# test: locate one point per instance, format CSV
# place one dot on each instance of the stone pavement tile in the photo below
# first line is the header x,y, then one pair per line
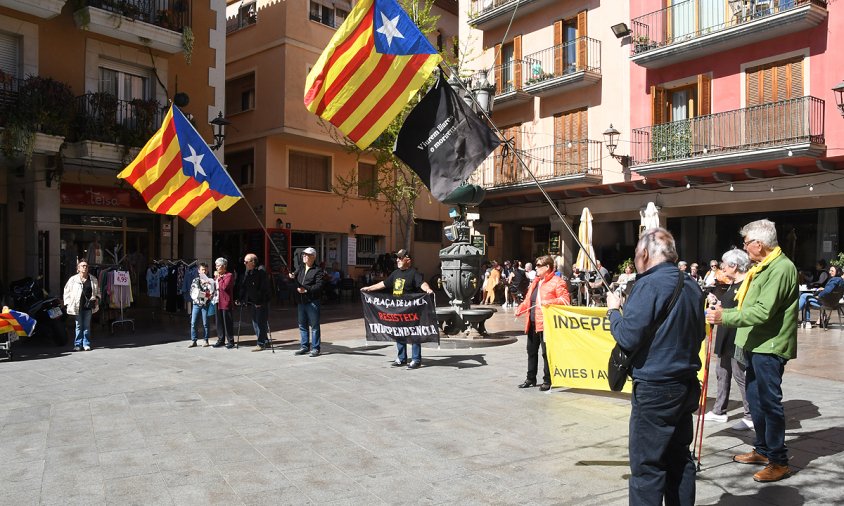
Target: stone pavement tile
x,y
14,430
142,490
287,496
400,487
356,461
253,477
326,483
467,489
72,456
23,448
291,456
75,433
187,468
24,472
203,494
73,485
16,496
549,491
119,440
124,463
272,432
229,449
110,405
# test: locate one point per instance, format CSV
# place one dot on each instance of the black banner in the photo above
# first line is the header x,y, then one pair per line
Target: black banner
x,y
411,318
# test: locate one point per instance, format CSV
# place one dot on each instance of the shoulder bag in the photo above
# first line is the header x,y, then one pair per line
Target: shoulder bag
x,y
618,368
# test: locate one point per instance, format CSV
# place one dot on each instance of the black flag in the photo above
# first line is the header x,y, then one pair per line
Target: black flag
x,y
443,141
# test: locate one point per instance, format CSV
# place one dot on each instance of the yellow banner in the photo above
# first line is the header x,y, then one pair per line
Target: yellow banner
x,y
579,342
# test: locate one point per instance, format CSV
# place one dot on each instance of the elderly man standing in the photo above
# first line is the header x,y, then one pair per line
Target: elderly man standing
x,y
663,327
255,292
766,318
310,280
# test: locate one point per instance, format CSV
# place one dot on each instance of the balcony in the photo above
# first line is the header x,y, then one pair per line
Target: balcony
x,y
508,79
576,161
155,23
487,14
44,9
695,28
759,133
106,129
242,20
563,68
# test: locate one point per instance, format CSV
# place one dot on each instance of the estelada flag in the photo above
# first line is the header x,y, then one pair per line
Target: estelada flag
x,y
373,65
14,321
443,141
177,174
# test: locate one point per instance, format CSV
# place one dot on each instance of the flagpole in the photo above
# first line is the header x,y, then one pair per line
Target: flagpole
x,y
518,155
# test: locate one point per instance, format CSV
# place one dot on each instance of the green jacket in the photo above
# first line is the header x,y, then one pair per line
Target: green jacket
x,y
767,321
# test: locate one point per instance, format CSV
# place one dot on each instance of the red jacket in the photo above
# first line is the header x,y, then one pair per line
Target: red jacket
x,y
225,289
552,291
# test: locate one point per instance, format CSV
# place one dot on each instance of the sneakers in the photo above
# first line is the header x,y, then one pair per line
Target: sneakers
x,y
807,325
314,353
398,363
712,417
86,348
77,348
743,424
751,458
259,348
302,351
414,364
772,472
192,344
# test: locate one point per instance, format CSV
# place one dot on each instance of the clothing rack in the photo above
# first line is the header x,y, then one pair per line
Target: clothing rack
x,y
122,280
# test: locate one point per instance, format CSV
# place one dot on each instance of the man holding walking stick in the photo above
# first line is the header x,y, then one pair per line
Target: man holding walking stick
x,y
665,341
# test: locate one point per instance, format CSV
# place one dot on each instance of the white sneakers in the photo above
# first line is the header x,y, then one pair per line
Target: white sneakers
x,y
743,424
806,325
712,417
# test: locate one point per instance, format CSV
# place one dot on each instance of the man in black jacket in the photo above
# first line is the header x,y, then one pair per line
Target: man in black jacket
x,y
665,385
309,284
255,292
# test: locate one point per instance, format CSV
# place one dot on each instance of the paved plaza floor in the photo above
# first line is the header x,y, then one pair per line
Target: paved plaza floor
x,y
142,419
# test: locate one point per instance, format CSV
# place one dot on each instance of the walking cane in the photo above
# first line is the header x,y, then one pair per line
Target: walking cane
x,y
239,325
698,440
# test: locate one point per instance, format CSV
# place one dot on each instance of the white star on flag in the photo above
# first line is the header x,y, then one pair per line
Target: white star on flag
x,y
390,29
196,160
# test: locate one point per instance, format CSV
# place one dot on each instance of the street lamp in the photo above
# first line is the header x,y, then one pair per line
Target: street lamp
x,y
484,92
611,141
839,96
220,123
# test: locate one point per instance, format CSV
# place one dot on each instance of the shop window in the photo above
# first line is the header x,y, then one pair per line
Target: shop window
x,y
366,250
367,180
310,171
428,231
240,94
241,167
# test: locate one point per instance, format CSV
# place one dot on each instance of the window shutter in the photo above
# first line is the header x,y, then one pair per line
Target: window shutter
x,y
704,95
658,115
752,92
10,48
517,62
796,81
571,148
558,48
582,49
499,74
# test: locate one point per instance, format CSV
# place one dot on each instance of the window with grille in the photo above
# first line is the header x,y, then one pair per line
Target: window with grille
x,y
310,171
330,15
10,54
240,94
125,81
241,167
367,180
366,249
428,231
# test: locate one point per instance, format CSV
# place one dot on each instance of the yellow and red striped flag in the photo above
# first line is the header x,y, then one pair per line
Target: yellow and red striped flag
x,y
177,174
371,68
14,321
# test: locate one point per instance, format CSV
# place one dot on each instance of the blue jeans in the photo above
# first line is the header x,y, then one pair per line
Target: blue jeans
x,y
807,302
415,351
260,324
308,316
660,433
197,311
83,328
764,394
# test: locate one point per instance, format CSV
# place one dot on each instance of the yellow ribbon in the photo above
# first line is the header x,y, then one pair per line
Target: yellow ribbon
x,y
745,285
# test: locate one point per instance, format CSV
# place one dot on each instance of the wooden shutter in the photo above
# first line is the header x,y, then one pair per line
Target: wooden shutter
x,y
582,47
701,125
10,48
499,74
517,62
507,170
658,105
774,82
704,95
571,127
558,48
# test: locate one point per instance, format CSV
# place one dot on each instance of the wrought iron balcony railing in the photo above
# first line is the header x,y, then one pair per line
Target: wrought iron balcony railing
x,y
569,159
170,14
684,21
478,7
9,88
577,55
245,17
784,123
102,117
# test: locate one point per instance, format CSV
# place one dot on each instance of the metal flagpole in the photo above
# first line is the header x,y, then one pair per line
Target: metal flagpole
x,y
532,176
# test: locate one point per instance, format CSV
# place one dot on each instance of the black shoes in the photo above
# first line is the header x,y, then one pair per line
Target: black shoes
x,y
314,353
228,346
528,384
302,351
545,387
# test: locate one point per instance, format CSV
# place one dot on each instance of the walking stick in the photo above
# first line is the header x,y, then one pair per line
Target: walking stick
x,y
698,441
239,325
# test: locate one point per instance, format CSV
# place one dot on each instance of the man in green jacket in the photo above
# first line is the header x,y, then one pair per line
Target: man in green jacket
x,y
766,336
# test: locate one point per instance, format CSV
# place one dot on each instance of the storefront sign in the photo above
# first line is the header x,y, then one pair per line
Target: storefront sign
x,y
280,209
352,251
100,197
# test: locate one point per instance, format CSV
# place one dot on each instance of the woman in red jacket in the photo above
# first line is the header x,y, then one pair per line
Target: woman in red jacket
x,y
225,291
546,289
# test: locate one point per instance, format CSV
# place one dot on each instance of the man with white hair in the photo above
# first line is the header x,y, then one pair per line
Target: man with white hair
x,y
766,339
255,292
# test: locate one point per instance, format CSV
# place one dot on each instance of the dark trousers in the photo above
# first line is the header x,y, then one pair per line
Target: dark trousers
x,y
660,433
764,394
534,341
259,323
225,325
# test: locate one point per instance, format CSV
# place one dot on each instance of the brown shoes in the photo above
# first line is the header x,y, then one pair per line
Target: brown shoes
x,y
751,458
772,472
